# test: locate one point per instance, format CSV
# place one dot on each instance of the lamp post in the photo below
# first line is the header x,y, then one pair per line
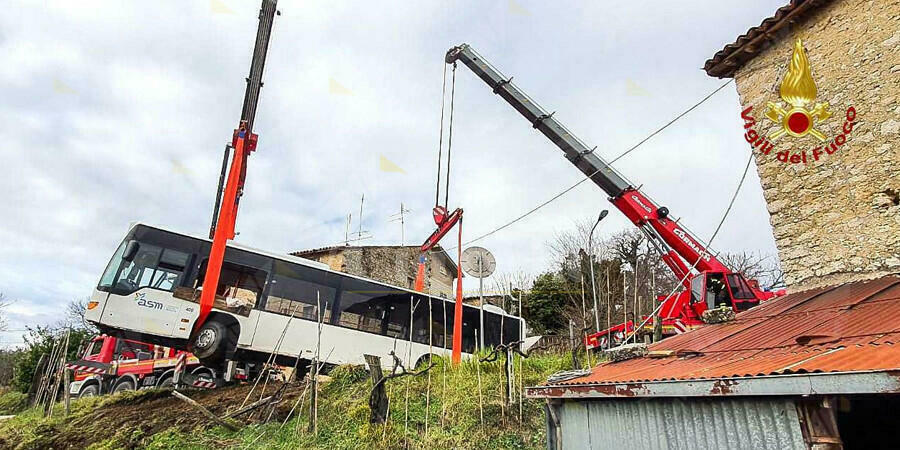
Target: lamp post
x,y
591,262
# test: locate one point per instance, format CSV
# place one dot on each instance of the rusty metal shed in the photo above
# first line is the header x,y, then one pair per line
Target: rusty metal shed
x,y
813,366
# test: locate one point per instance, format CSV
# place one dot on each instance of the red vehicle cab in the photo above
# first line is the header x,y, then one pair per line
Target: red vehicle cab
x,y
683,310
111,364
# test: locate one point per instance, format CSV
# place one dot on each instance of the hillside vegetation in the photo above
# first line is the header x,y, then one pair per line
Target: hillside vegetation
x,y
155,420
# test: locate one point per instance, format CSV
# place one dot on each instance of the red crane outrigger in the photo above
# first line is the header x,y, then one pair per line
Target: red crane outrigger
x,y
243,141
708,282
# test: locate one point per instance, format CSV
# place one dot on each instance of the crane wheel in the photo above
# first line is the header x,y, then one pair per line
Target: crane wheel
x,y
124,384
91,390
167,382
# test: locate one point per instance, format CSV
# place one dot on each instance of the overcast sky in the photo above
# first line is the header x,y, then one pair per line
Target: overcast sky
x,y
115,112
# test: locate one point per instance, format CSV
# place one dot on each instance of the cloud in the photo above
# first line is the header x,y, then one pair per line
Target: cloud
x,y
142,138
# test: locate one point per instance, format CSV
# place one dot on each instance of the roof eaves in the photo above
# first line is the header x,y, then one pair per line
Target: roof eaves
x,y
733,56
833,383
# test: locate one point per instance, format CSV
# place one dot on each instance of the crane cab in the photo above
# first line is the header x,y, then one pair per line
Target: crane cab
x,y
711,290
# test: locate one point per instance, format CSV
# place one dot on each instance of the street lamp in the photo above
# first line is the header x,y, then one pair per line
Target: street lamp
x,y
591,262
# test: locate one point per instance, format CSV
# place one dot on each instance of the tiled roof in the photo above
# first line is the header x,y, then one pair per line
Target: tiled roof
x,y
847,328
726,61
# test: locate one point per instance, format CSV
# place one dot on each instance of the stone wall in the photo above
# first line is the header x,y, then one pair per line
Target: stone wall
x,y
396,266
837,218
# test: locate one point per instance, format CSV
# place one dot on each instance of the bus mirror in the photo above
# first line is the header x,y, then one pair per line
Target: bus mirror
x,y
131,250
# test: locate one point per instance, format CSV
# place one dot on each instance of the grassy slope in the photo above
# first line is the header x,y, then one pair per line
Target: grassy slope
x,y
344,416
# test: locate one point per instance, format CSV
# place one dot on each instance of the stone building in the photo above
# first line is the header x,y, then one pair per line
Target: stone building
x,y
392,264
831,181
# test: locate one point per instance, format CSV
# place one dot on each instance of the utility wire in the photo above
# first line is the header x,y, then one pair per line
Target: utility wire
x,y
688,273
566,190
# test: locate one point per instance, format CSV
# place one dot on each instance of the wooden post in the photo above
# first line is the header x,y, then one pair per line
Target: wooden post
x,y
36,379
313,396
377,399
412,311
478,372
508,363
521,337
657,324
573,346
68,394
430,357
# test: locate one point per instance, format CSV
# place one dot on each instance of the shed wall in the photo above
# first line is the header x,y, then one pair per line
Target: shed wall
x,y
670,424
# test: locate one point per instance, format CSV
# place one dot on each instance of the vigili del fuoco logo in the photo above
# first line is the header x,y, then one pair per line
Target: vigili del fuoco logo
x,y
798,118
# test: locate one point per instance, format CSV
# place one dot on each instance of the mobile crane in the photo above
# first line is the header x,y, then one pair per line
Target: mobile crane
x,y
708,283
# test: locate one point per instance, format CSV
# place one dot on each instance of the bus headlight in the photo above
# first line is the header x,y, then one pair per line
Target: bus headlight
x,y
92,305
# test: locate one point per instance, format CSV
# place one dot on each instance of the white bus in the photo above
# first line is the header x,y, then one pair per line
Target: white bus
x,y
151,288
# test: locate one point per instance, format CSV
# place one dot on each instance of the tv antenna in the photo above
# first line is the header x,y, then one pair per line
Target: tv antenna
x,y
400,216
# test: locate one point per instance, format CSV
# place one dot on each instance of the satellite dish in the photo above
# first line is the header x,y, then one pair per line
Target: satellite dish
x,y
478,262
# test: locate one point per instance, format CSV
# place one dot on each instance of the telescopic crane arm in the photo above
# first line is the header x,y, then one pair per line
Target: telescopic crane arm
x,y
680,250
243,141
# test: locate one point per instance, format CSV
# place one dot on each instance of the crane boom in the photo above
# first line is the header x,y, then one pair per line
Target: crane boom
x,y
601,173
243,141
679,248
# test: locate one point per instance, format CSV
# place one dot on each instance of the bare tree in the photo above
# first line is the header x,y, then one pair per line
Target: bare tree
x,y
756,266
75,312
4,303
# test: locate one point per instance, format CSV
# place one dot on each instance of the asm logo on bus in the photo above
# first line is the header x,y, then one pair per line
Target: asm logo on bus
x,y
141,300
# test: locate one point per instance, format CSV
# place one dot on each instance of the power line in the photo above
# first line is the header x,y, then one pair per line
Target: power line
x,y
566,190
687,274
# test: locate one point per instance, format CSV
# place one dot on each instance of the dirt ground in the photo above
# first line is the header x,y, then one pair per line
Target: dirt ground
x,y
133,417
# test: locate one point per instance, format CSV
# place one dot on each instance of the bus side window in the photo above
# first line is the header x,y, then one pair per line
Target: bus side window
x,y
441,330
237,283
373,308
397,325
471,327
422,316
493,326
300,290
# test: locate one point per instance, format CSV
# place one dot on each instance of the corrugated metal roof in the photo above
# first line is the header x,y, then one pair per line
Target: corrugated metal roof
x,y
694,424
847,328
726,61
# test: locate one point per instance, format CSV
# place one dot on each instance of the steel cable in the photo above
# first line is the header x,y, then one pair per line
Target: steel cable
x,y
626,152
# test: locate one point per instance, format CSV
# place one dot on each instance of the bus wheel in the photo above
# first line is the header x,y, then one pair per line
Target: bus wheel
x,y
426,361
91,390
209,344
123,384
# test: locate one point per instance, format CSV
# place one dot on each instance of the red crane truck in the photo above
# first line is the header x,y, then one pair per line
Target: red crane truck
x,y
707,282
110,364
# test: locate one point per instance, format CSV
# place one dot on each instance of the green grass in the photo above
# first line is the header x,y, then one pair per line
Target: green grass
x,y
344,412
12,402
343,419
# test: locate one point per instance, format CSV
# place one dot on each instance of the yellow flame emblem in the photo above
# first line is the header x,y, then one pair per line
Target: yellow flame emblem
x,y
798,89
